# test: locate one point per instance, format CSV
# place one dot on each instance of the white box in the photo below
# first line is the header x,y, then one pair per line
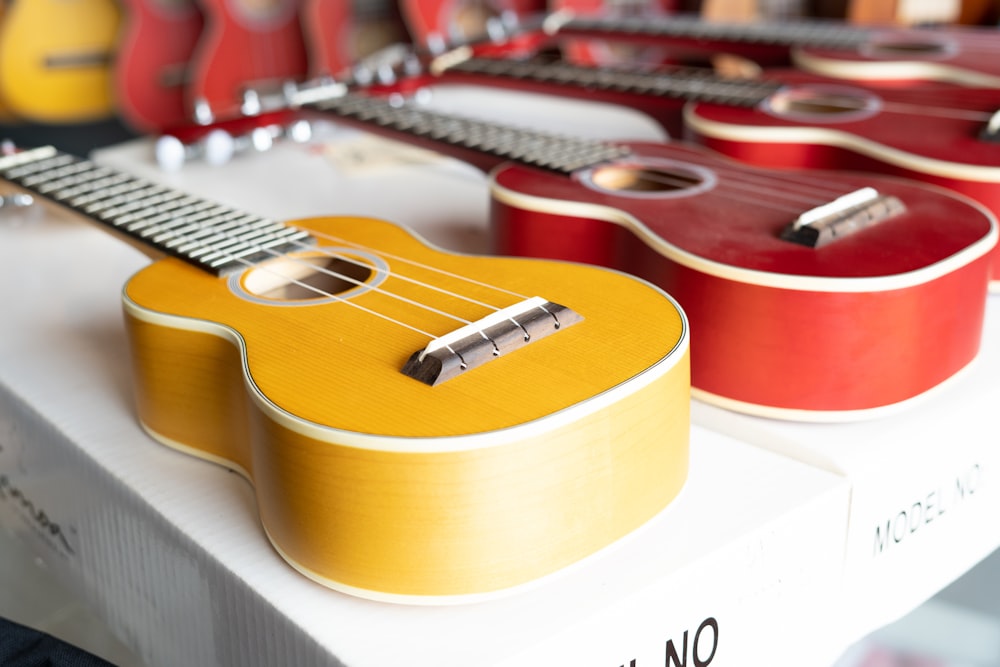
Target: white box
x,y
925,485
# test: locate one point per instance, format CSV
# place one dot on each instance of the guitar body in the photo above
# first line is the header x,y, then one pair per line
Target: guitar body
x,y
245,44
152,70
958,55
377,484
929,133
612,52
852,329
338,33
56,59
441,23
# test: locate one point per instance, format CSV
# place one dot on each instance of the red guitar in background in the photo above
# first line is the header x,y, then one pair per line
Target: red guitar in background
x,y
338,33
437,24
597,51
945,135
153,70
245,44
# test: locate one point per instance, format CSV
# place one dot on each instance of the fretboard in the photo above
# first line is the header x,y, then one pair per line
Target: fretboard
x,y
506,143
691,84
830,35
211,236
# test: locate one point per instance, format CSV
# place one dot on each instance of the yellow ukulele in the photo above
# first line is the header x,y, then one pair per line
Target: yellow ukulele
x,y
56,59
419,426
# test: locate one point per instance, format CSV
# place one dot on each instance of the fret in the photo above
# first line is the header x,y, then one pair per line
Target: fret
x,y
92,188
49,175
206,234
145,195
125,187
56,185
155,217
147,198
691,85
693,27
539,149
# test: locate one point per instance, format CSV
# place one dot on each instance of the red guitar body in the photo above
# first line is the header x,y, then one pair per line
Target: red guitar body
x,y
440,23
610,51
960,55
245,45
338,33
929,133
152,69
850,329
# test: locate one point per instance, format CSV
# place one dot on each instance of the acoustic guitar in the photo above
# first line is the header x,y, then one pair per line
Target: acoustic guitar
x,y
812,296
56,59
419,426
964,55
941,135
152,72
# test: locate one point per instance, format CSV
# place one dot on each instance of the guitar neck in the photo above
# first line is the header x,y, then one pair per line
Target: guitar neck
x,y
689,84
481,143
213,237
684,26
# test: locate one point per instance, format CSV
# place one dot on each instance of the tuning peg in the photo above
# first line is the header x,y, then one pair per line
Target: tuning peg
x,y
216,147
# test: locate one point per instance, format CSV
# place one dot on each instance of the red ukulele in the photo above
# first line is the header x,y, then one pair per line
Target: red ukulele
x,y
815,296
152,72
245,44
339,32
942,135
437,24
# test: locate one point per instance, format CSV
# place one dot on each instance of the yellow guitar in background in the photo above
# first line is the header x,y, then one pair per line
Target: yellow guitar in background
x,y
56,59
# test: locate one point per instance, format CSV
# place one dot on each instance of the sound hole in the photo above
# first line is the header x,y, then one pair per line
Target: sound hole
x,y
306,278
823,103
471,19
641,179
908,49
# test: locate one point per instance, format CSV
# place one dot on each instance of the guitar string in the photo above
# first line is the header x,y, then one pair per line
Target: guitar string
x,y
915,107
835,28
738,177
385,112
350,280
172,234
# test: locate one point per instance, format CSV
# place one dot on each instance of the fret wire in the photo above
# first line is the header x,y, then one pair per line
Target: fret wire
x,y
205,233
26,169
689,84
526,146
128,187
30,180
694,27
147,195
92,187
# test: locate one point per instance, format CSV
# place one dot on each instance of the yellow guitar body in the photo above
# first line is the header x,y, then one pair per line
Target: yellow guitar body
x,y
56,59
377,484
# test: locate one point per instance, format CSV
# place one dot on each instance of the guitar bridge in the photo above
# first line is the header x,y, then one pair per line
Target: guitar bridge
x,y
494,336
991,131
842,217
